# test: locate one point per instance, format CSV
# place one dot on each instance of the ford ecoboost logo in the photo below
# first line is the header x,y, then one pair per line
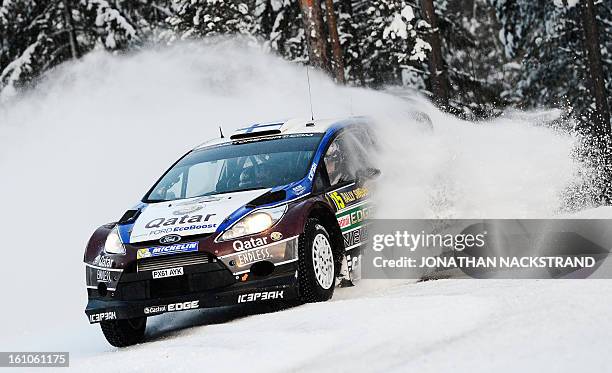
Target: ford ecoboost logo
x,y
171,238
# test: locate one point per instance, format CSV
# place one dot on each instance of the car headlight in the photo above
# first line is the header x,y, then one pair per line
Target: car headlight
x,y
113,244
255,222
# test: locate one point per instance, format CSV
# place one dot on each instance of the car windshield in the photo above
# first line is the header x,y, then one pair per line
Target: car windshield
x,y
236,166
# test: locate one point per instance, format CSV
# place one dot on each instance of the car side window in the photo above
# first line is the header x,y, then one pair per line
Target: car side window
x,y
337,162
362,149
320,182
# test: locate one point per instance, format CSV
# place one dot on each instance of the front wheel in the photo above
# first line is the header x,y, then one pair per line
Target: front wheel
x,y
123,333
317,269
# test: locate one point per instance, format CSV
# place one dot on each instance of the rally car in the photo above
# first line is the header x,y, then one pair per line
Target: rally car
x,y
273,213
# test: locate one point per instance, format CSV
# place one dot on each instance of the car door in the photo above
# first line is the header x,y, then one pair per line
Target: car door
x,y
346,163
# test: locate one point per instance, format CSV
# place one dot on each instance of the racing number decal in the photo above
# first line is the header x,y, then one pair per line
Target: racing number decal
x,y
348,196
337,200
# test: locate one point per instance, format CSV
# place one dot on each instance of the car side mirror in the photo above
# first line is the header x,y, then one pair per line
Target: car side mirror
x,y
366,174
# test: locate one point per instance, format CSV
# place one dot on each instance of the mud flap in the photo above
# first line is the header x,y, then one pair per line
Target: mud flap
x,y
350,272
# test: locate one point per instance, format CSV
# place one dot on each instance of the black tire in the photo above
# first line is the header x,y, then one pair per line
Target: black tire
x,y
311,289
123,333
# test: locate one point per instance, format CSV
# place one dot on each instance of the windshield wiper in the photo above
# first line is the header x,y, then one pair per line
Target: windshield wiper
x,y
229,191
155,200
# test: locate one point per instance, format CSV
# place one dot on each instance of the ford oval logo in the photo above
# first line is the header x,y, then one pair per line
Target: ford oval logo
x,y
171,238
188,210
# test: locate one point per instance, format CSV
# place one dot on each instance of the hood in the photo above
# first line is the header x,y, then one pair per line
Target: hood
x,y
188,217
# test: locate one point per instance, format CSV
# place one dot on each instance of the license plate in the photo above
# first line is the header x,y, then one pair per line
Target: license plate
x,y
170,272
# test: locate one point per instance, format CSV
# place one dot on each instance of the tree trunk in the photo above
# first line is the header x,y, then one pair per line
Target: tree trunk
x,y
337,55
601,126
313,27
598,84
267,19
74,47
438,78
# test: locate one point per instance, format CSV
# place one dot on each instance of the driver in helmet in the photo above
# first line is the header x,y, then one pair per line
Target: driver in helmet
x,y
253,176
334,161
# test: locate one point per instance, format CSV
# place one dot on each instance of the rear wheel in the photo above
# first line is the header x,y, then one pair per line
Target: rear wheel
x,y
123,333
317,269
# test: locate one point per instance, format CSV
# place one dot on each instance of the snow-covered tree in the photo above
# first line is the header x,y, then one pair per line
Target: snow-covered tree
x,y
388,39
349,32
563,64
199,18
494,52
279,25
478,70
38,35
110,25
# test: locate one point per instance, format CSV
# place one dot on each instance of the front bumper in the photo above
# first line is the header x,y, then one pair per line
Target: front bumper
x,y
283,287
206,281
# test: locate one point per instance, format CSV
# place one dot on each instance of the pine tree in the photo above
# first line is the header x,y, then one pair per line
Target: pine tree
x,y
529,54
547,40
348,32
279,25
38,35
199,18
438,79
478,71
594,62
390,41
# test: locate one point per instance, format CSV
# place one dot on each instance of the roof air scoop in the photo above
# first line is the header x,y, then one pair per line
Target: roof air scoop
x,y
256,130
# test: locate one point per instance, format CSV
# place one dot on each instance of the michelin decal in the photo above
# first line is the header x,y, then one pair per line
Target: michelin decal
x,y
167,250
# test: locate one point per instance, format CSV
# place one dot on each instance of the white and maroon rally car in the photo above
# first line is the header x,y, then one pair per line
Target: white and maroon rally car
x,y
274,213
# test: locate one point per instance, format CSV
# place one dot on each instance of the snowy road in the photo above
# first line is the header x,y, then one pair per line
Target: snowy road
x,y
459,325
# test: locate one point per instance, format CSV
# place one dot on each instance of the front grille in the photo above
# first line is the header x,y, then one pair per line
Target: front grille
x,y
171,261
